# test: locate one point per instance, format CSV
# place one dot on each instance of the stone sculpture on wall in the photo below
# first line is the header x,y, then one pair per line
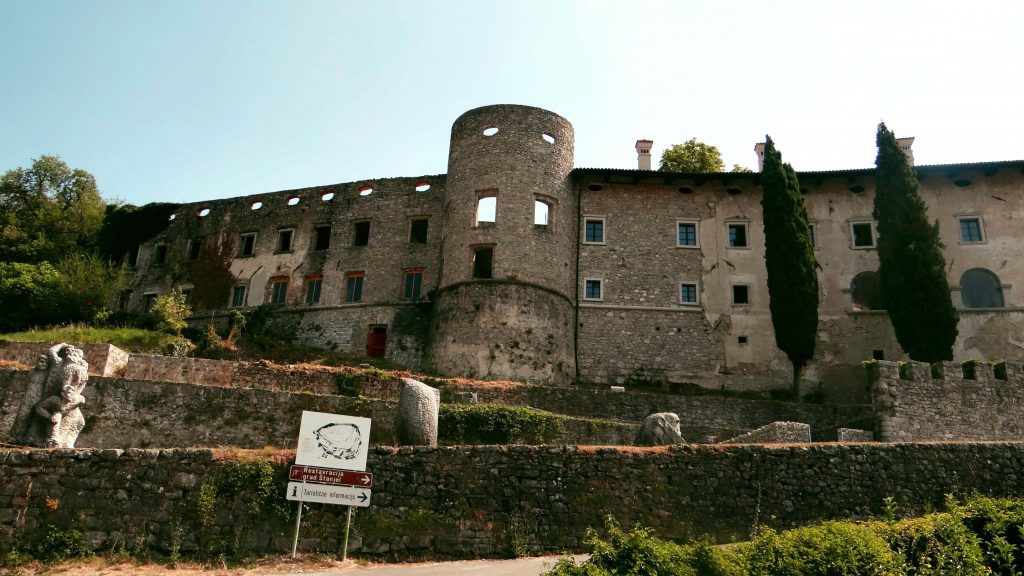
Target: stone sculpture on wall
x,y
418,407
660,429
59,417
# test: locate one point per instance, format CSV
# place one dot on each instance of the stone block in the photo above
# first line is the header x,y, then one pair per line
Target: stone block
x,y
418,408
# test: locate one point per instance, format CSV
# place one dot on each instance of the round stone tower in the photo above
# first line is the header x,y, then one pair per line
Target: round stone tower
x,y
505,308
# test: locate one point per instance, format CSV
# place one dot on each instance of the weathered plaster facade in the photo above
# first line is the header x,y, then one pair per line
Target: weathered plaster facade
x,y
516,265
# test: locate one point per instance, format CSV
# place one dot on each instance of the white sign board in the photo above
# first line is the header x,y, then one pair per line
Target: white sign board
x,y
326,494
333,441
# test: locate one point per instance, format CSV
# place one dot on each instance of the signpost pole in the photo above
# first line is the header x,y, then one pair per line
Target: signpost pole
x,y
298,520
348,524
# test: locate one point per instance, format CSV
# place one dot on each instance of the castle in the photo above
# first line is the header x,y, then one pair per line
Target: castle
x,y
516,265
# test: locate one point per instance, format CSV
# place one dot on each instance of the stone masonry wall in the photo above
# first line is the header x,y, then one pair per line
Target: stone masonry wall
x,y
702,416
103,359
970,401
775,433
492,500
123,413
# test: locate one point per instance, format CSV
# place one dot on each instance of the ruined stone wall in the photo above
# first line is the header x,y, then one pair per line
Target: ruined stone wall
x,y
491,500
389,206
775,433
124,413
704,418
503,330
103,359
968,401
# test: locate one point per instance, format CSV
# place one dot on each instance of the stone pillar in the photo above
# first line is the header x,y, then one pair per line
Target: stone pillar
x,y
418,407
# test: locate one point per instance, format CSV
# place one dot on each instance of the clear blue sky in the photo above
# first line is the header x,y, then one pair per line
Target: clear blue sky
x,y
186,100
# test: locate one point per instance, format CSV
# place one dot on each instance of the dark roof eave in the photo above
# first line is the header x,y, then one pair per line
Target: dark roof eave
x,y
636,174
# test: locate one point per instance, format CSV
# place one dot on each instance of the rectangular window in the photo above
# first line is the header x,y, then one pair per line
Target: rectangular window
x,y
863,234
413,283
686,234
740,294
284,240
278,290
486,207
812,232
148,300
483,263
738,235
354,286
971,231
247,244
418,231
159,254
313,289
321,238
593,231
361,233
238,296
592,289
187,295
688,293
541,213
192,251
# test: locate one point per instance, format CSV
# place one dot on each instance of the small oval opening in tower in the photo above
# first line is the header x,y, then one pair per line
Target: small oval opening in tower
x,y
327,196
491,131
422,186
962,182
203,213
734,191
365,190
256,205
548,138
804,191
685,190
595,187
293,200
857,189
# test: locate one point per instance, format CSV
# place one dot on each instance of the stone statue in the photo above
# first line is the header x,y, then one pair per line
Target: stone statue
x,y
22,430
60,411
418,407
660,429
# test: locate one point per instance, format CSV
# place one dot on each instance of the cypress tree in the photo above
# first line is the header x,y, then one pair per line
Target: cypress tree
x,y
789,258
911,267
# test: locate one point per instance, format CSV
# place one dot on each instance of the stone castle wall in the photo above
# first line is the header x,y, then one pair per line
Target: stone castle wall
x,y
702,416
491,500
970,401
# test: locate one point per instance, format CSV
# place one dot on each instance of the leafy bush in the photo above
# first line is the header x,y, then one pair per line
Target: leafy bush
x,y
30,294
494,424
830,549
171,312
59,545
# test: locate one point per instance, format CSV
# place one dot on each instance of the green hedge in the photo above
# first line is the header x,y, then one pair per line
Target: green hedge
x,y
496,424
979,537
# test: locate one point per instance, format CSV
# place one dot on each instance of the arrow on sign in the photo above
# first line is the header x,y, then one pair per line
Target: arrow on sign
x,y
362,497
337,477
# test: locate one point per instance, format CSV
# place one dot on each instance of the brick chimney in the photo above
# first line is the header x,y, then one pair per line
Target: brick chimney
x,y
759,150
643,154
907,144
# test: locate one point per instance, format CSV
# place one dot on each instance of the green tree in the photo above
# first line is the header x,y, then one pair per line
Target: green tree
x,y
171,312
741,169
911,267
30,295
692,156
90,284
789,259
211,273
48,211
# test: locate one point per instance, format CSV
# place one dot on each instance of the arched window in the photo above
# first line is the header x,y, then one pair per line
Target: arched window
x,y
866,293
980,288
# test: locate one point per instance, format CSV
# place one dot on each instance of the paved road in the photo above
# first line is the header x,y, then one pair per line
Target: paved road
x,y
517,567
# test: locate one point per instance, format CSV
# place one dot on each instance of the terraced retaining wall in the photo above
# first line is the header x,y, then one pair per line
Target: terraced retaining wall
x,y
702,416
124,413
485,500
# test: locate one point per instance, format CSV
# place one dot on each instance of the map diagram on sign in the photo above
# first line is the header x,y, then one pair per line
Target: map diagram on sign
x,y
339,440
333,441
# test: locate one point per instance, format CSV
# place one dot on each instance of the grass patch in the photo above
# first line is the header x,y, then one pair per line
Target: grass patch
x,y
134,339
